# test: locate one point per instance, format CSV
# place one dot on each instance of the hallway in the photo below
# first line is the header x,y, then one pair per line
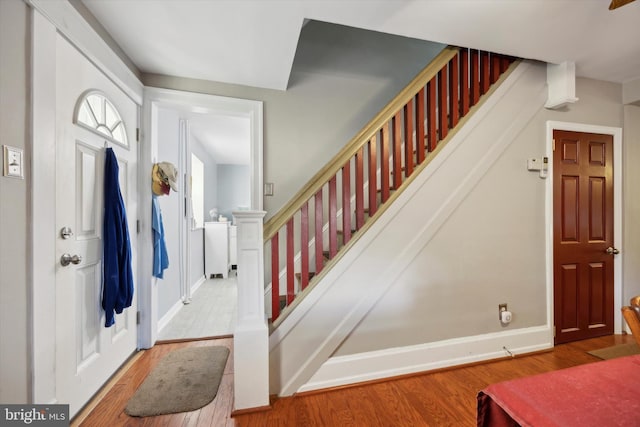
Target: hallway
x,y
211,313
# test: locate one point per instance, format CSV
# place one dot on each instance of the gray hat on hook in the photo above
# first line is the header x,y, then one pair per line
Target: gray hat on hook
x,y
169,174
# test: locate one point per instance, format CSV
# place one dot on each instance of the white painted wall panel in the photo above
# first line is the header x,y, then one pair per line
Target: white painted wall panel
x,y
171,205
234,188
631,200
490,249
14,193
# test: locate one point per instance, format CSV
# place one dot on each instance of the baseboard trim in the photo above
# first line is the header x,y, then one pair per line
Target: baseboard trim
x,y
196,285
400,361
415,374
237,412
162,323
177,306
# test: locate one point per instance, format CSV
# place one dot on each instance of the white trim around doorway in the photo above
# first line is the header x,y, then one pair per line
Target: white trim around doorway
x,y
165,98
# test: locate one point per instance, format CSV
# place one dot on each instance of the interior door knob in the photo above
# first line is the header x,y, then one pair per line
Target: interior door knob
x,y
612,251
67,259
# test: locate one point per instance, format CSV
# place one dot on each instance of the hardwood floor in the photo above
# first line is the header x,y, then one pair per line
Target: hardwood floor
x,y
441,398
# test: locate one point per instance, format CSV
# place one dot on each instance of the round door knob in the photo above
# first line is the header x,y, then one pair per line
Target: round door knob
x,y
612,251
67,259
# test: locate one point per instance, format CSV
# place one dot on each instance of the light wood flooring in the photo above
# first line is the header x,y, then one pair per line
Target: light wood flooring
x,y
211,313
443,398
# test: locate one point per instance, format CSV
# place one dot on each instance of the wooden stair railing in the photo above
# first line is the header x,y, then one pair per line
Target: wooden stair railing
x,y
341,201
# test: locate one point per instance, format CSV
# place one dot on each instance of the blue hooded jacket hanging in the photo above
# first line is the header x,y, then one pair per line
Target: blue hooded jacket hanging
x,y
117,273
160,256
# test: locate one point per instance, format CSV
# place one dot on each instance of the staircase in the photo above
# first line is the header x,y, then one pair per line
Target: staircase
x,y
346,325
331,212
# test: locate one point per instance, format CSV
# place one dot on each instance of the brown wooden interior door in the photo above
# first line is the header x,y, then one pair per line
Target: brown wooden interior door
x,y
583,230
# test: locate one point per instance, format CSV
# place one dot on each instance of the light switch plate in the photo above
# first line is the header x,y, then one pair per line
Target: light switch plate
x,y
13,162
268,189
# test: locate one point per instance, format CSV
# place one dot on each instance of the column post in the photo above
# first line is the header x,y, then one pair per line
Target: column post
x,y
251,336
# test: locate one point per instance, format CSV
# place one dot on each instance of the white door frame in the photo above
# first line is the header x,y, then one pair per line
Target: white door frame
x,y
165,98
617,214
185,230
47,19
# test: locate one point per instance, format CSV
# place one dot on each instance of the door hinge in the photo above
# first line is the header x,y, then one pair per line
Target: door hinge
x,y
553,145
137,317
554,331
137,226
137,134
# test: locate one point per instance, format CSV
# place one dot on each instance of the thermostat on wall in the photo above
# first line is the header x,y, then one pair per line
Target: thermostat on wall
x,y
534,164
538,164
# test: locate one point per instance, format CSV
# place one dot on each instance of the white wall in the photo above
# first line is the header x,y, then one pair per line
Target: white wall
x,y
14,208
341,78
631,92
210,176
234,188
631,200
196,262
171,206
491,250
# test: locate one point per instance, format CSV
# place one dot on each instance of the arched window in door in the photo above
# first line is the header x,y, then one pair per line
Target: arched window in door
x,y
97,114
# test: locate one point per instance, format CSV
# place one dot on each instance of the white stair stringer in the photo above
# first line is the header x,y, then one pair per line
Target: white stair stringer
x,y
308,337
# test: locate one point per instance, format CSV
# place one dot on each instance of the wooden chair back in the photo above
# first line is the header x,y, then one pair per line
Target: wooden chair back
x,y
631,314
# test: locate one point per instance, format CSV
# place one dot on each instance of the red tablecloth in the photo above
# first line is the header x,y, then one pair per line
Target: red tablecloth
x,y
599,394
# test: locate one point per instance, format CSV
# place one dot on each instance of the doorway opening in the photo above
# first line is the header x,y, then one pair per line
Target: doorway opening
x,y
216,145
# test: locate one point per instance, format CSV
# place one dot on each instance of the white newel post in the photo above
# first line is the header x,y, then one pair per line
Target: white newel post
x,y
251,337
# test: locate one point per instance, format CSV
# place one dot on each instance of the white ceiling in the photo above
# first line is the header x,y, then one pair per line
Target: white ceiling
x,y
227,138
253,42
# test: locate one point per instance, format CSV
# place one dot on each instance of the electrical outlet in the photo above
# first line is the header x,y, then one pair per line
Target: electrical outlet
x,y
501,307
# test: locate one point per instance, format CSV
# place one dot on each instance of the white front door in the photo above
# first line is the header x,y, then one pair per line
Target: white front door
x,y
87,352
